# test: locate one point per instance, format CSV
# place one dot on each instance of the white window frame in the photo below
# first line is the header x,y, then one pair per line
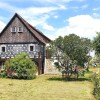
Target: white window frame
x,y
1,48
21,29
13,29
33,47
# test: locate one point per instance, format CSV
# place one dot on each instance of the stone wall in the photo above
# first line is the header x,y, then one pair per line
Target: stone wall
x,y
50,68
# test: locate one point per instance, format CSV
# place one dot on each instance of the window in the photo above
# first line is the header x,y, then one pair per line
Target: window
x,y
13,29
20,29
31,47
3,48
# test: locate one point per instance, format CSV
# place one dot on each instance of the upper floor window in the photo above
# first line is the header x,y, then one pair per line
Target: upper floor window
x,y
31,47
3,48
13,29
20,29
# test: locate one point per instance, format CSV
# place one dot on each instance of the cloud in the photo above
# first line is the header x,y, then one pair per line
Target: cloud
x,y
8,7
2,25
40,10
34,15
37,21
48,27
82,25
96,9
52,2
37,16
96,15
84,6
77,8
55,16
58,1
32,10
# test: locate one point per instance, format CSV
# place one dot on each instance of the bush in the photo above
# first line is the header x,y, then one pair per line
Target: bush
x,y
96,81
81,72
3,74
21,67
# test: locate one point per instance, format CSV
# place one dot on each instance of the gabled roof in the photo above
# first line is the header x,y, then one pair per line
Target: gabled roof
x,y
35,32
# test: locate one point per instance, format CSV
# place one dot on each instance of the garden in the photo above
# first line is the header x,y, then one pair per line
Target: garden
x,y
80,79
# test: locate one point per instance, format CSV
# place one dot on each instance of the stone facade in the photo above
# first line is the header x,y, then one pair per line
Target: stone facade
x,y
50,68
13,49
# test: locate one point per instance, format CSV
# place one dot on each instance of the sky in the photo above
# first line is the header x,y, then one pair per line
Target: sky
x,y
55,17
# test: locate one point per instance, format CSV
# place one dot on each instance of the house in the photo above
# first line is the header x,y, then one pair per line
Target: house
x,y
19,36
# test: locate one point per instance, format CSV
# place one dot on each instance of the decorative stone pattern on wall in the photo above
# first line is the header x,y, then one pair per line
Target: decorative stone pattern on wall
x,y
50,68
14,49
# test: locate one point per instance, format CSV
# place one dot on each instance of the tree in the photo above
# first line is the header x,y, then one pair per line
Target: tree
x,y
70,52
77,48
21,67
96,44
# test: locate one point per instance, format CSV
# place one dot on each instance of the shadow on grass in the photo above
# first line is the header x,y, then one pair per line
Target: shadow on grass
x,y
67,79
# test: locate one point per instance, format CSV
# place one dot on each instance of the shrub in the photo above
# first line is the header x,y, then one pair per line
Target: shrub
x,y
81,72
3,74
96,81
21,67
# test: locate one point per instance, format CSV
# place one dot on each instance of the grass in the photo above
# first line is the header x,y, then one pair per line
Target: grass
x,y
91,71
45,88
95,69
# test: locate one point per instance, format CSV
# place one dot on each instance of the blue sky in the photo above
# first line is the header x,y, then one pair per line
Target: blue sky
x,y
55,17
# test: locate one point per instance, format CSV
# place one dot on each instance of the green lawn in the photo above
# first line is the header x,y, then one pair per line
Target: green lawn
x,y
95,70
45,88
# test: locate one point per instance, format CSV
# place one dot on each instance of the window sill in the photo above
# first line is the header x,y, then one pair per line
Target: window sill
x,y
13,32
20,31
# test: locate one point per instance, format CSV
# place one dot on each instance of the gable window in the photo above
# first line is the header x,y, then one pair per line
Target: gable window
x,y
20,29
3,48
13,29
31,47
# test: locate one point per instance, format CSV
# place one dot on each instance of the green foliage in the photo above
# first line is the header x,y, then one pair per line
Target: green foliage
x,y
3,74
81,72
96,44
95,62
69,51
77,48
21,67
96,81
66,66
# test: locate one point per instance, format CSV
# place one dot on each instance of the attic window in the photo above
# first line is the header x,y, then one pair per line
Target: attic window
x,y
20,29
13,29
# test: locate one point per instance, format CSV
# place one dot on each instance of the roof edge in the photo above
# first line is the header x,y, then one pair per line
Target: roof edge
x,y
39,32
